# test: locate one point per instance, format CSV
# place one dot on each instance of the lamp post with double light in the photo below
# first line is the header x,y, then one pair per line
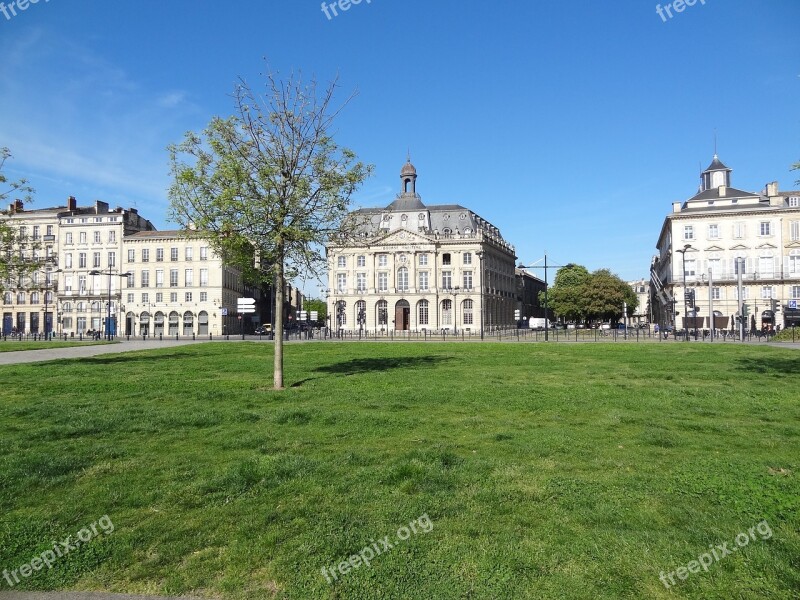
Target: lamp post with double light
x,y
682,252
48,288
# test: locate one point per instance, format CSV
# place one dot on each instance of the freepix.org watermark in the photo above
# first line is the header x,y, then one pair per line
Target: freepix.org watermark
x,y
422,524
678,6
331,9
718,552
60,549
11,9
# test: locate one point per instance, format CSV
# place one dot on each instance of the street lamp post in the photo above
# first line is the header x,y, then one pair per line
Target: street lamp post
x,y
480,259
47,287
545,267
455,309
685,325
108,314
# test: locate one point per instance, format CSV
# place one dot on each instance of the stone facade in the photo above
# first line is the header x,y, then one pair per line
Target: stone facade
x,y
720,232
415,267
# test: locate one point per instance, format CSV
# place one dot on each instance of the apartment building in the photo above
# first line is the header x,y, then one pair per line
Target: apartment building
x,y
176,284
421,267
711,239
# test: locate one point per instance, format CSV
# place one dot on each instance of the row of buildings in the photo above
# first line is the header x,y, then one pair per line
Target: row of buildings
x,y
717,237
108,270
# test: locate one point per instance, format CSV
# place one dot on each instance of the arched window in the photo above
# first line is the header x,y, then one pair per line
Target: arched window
x,y
67,307
402,279
447,312
174,317
422,312
34,297
188,323
466,310
341,313
382,310
202,323
158,323
361,313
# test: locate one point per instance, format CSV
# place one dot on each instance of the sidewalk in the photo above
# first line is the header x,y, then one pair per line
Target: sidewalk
x,y
32,356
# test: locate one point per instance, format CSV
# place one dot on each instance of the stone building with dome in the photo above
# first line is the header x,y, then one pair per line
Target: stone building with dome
x,y
416,267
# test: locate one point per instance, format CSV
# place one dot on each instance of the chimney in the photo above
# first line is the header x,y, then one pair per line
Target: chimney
x,y
723,190
19,205
100,207
772,188
72,204
676,207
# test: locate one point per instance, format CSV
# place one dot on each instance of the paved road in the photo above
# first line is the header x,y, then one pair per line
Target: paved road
x,y
31,356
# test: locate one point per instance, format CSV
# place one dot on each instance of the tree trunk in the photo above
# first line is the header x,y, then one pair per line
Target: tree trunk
x,y
278,332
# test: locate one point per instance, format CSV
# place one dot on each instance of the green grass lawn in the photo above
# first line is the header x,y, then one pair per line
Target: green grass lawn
x,y
547,471
11,346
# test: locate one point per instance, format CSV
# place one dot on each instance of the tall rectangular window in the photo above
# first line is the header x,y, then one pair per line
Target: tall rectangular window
x,y
203,252
203,277
713,232
690,268
68,260
97,237
131,256
112,259
467,311
715,293
362,261
467,258
68,238
361,282
173,254
402,279
383,260
423,281
96,260
145,255
341,262
739,230
423,312
766,292
82,237
112,236
423,260
447,280
383,281
341,282
188,253
467,280
688,232
189,277
173,278
82,260
796,292
794,231
159,278
159,255
145,279
766,228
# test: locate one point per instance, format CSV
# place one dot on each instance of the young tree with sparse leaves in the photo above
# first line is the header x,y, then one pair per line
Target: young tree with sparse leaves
x,y
16,253
269,187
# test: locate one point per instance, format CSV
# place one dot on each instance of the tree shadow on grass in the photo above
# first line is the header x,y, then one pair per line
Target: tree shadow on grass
x,y
123,357
370,365
771,365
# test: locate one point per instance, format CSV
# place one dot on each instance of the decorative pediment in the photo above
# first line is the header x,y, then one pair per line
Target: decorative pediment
x,y
793,245
766,246
739,247
714,249
403,236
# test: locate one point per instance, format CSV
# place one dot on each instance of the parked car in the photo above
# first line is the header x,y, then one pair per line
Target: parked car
x,y
264,329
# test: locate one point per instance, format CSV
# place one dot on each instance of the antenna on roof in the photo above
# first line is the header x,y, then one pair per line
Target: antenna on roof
x,y
408,155
715,141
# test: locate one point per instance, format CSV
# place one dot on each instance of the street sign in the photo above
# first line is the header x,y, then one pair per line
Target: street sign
x,y
245,306
224,312
314,315
792,304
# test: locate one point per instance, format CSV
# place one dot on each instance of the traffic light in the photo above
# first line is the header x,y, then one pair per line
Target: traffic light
x,y
745,312
690,298
775,305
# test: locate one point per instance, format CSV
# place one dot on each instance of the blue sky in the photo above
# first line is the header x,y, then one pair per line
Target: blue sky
x,y
572,126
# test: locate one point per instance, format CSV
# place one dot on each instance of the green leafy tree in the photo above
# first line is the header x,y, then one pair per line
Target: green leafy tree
x,y
268,186
566,298
606,294
16,251
318,305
